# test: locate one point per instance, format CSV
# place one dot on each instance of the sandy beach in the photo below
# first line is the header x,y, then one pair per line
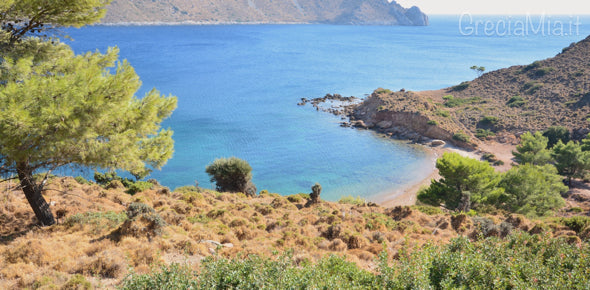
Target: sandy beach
x,y
407,195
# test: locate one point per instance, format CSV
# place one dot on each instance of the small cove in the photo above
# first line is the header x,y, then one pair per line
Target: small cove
x,y
238,86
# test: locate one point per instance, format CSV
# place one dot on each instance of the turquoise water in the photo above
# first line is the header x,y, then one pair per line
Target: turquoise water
x,y
238,86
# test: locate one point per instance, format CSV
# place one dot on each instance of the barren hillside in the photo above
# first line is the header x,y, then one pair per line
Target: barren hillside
x,y
265,11
501,104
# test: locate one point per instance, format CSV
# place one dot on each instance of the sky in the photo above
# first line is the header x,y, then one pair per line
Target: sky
x,y
501,7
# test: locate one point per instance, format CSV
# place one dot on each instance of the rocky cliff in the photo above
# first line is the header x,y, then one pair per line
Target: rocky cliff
x,y
380,12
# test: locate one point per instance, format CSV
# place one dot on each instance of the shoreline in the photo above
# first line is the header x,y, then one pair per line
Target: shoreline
x,y
406,195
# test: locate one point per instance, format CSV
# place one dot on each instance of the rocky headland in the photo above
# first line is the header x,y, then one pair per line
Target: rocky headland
x,y
498,106
358,12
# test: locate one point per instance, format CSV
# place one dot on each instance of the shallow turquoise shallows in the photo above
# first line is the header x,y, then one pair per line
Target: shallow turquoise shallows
x,y
238,86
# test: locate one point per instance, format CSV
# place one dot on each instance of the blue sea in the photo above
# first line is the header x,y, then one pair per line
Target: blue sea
x,y
238,87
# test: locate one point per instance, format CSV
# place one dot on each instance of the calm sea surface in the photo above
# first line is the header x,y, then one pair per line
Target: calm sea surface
x,y
238,86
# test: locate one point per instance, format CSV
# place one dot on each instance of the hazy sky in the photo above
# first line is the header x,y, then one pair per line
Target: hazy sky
x,y
567,7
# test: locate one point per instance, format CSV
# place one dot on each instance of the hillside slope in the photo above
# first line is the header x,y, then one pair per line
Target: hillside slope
x,y
505,102
104,233
265,11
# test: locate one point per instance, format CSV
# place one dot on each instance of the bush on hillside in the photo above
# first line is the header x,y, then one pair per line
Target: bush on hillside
x,y
460,87
142,221
232,175
516,101
540,263
112,180
489,121
461,137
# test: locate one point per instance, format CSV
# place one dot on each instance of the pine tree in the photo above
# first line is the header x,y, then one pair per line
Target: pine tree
x,y
58,108
532,190
570,160
464,181
532,149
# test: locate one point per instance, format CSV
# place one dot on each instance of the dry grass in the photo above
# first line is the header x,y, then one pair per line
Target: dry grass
x,y
95,239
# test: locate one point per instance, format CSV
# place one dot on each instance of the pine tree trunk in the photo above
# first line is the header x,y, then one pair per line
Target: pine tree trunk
x,y
33,193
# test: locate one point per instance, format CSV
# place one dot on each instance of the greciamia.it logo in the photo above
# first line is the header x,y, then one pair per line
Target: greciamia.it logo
x,y
470,25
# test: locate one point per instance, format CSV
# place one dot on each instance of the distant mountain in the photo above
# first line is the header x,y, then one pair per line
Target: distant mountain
x,y
380,12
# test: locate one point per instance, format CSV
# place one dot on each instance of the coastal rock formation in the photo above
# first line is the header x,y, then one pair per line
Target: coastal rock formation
x,y
499,105
380,12
402,115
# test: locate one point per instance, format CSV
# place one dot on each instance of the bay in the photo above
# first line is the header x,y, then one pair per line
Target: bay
x,y
238,86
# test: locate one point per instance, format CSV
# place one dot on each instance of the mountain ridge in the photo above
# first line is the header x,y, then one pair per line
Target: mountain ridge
x,y
355,12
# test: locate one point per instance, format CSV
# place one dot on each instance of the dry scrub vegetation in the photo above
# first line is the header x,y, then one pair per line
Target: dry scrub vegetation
x,y
105,234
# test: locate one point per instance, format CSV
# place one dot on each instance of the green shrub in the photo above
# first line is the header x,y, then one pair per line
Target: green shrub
x,y
531,66
232,175
82,180
254,272
576,223
432,122
516,101
489,121
383,91
460,136
498,163
142,220
460,87
528,85
95,218
186,189
105,178
520,261
46,282
77,282
138,186
489,157
531,87
112,180
452,102
427,209
352,200
295,198
99,221
543,71
483,133
443,113
174,276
